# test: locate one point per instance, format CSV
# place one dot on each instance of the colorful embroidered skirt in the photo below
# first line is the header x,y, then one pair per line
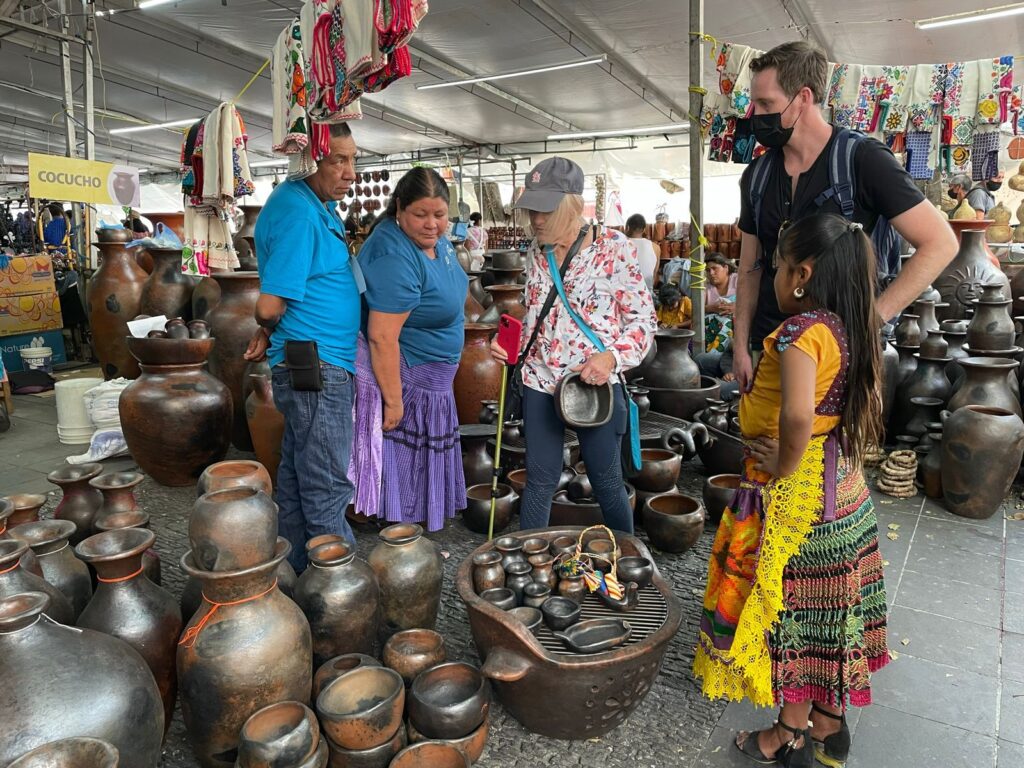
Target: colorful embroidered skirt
x,y
795,607
414,472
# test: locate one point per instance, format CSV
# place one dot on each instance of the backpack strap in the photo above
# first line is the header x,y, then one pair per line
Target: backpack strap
x,y
841,174
759,184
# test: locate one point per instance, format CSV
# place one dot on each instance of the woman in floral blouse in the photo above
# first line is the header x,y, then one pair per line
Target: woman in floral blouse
x,y
606,288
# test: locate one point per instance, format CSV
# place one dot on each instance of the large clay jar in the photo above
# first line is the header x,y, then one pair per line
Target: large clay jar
x,y
234,473
167,291
176,417
233,529
245,239
80,501
118,491
985,383
930,468
472,309
960,283
15,579
479,375
134,518
410,573
927,380
505,300
49,542
991,328
673,368
981,453
205,296
233,324
477,464
76,752
128,605
115,296
477,289
266,424
907,354
246,647
890,378
60,682
341,599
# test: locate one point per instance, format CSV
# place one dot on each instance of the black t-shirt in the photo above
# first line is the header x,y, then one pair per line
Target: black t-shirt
x,y
884,188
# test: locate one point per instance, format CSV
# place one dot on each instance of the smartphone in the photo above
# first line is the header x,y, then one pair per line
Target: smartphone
x,y
510,333
302,359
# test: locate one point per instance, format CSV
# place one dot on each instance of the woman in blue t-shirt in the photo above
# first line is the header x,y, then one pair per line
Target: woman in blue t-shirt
x,y
406,459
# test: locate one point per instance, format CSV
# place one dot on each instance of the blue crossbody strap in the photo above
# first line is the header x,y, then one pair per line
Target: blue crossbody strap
x,y
557,280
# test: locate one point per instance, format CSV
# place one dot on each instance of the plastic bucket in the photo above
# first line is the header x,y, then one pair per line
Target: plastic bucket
x,y
37,358
73,422
75,436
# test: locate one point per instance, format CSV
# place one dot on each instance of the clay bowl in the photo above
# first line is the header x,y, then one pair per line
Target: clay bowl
x,y
449,701
235,473
718,493
375,757
581,405
534,594
602,552
563,545
413,650
560,612
170,351
535,545
477,514
286,733
76,752
26,508
659,471
502,598
531,618
362,708
517,479
430,754
673,521
334,668
684,403
471,746
636,569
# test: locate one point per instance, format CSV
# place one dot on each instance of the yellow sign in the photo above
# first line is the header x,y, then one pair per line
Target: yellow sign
x,y
82,181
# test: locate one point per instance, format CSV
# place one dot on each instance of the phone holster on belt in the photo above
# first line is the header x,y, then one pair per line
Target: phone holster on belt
x,y
302,359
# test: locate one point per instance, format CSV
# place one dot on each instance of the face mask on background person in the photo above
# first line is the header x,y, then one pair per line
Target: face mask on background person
x,y
993,186
768,128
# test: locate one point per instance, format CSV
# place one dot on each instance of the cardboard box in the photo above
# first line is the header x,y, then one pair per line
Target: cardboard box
x,y
10,346
24,275
32,312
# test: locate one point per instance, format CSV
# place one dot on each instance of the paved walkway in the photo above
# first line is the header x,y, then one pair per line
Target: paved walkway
x,y
953,697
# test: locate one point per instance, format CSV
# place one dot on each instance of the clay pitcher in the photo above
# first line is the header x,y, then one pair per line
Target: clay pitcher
x,y
167,290
49,542
233,529
961,281
985,383
80,501
266,424
115,297
673,368
234,473
53,679
246,647
128,605
232,324
981,452
340,596
15,579
244,240
410,573
479,375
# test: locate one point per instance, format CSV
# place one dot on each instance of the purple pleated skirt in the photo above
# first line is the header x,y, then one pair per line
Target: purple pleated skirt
x,y
412,474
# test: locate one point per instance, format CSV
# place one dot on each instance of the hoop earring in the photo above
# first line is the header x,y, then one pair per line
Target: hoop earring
x,y
798,292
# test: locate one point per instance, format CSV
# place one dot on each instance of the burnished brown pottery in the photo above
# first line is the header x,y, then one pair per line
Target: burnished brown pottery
x,y
232,324
505,300
118,491
431,754
511,550
672,368
7,512
477,514
449,701
500,597
924,410
542,569
282,734
930,468
479,375
409,571
908,330
925,311
266,424
991,328
246,647
472,746
15,579
341,599
233,529
49,542
674,522
961,281
572,587
234,473
128,605
560,612
927,380
205,296
26,508
981,453
639,570
134,518
80,501
76,752
115,297
487,571
985,383
659,470
167,291
51,678
375,757
477,464
412,651
334,668
363,708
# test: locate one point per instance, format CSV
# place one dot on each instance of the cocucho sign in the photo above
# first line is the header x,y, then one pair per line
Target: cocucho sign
x,y
82,181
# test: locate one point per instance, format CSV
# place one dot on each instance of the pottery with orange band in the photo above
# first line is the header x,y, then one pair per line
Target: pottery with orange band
x,y
49,542
134,518
15,579
246,647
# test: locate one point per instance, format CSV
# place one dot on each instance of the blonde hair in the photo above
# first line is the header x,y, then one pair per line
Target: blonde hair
x,y
565,220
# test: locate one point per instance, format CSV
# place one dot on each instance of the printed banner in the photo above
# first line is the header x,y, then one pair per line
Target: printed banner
x,y
52,177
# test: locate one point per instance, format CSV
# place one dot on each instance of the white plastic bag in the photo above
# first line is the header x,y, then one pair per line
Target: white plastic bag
x,y
101,403
105,444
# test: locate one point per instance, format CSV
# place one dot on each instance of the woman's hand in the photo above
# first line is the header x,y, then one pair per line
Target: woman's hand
x,y
598,369
393,413
725,309
765,452
498,352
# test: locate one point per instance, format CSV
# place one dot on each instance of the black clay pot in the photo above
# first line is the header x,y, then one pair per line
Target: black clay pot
x,y
410,571
477,514
985,383
981,453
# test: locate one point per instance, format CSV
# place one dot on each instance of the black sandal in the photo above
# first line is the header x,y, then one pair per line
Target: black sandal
x,y
834,749
788,755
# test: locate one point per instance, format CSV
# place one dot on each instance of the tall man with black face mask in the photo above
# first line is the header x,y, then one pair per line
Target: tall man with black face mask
x,y
788,85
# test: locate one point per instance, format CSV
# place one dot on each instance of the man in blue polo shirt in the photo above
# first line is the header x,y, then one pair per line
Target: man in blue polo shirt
x,y
309,291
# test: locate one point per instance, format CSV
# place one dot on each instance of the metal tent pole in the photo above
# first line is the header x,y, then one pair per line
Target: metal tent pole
x,y
85,236
696,168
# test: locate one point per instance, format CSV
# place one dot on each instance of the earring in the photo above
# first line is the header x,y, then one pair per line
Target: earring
x,y
798,292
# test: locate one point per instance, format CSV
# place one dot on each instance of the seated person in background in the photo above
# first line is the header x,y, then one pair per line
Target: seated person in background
x,y
674,309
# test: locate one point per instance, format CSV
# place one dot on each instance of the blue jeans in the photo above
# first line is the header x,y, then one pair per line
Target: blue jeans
x,y
600,449
313,488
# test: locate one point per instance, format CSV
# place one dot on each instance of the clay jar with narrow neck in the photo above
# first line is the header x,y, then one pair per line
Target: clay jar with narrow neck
x,y
167,290
925,311
505,300
479,375
128,605
961,281
49,542
340,596
925,411
60,682
477,464
115,297
118,490
15,579
673,368
477,289
907,362
981,453
246,647
232,324
908,330
134,518
991,328
245,239
234,473
80,501
955,341
8,513
233,529
410,573
985,383
266,424
927,380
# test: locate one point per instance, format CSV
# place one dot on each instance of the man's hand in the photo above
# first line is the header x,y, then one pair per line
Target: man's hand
x,y
256,352
743,369
393,413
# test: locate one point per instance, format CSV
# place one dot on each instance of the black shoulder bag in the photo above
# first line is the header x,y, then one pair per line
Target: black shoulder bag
x,y
514,396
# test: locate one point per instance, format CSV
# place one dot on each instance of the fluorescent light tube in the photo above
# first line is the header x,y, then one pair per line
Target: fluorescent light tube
x,y
638,131
269,163
999,12
153,3
518,73
153,126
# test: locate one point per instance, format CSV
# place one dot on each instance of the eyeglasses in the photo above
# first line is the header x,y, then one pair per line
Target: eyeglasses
x,y
775,254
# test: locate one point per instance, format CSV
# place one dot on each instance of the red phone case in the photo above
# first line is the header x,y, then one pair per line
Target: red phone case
x,y
510,331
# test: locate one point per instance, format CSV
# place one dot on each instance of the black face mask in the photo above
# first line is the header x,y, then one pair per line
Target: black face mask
x,y
993,186
768,128
952,194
